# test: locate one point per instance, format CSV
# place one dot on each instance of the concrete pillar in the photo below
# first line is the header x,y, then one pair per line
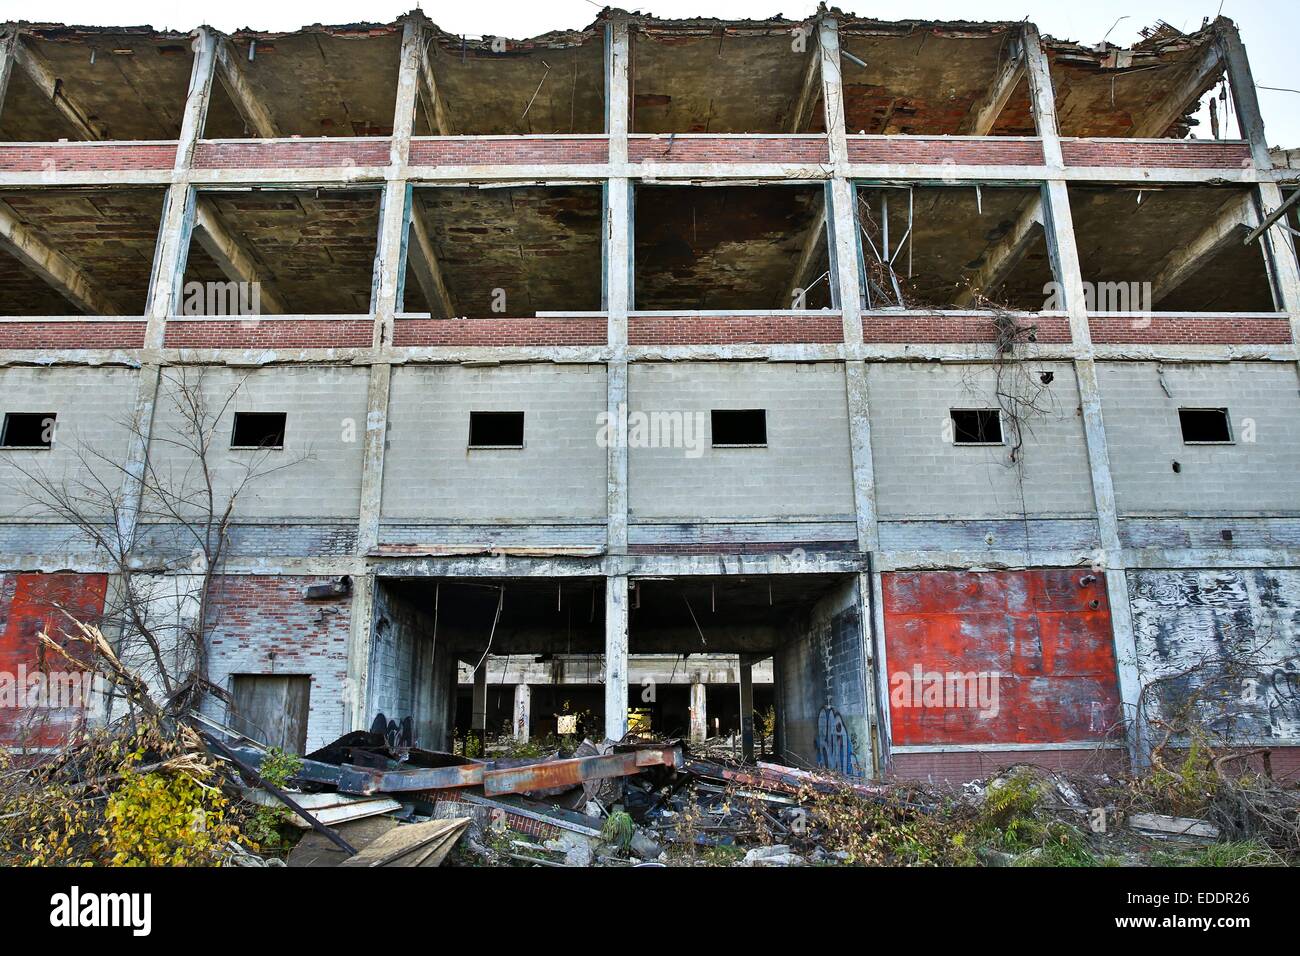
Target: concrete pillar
x,y
1065,258
617,295
699,713
746,709
478,709
616,657
523,712
8,40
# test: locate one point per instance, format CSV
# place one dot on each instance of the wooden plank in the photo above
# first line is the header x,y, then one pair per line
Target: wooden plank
x,y
416,838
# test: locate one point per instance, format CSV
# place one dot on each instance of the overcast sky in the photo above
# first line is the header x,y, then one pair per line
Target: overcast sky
x,y
1269,27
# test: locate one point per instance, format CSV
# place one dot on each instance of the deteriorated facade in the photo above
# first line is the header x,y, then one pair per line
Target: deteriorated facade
x,y
948,368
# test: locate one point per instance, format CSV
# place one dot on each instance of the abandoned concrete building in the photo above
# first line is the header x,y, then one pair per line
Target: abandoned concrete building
x,y
929,385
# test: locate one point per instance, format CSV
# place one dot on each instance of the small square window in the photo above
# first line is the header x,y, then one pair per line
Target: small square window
x,y
1205,426
742,428
28,430
976,426
496,429
258,430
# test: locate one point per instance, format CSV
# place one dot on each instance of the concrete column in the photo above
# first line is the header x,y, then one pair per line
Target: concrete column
x,y
356,689
178,207
1065,258
746,709
618,278
699,713
523,712
478,710
616,657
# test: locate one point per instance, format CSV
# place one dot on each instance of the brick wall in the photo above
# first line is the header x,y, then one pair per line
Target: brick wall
x,y
973,765
522,331
260,624
815,327
269,333
1187,330
728,149
306,153
72,335
493,151
941,150
61,157
884,327
1172,153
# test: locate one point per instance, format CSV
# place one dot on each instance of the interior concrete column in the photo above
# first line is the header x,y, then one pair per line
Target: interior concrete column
x,y
699,713
478,710
523,712
746,709
616,657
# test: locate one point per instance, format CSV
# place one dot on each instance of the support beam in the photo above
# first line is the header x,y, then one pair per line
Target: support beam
x,y
1005,254
233,256
746,709
799,116
435,108
523,712
699,713
812,242
1184,96
1233,222
54,268
1042,100
251,109
984,112
424,263
50,86
616,657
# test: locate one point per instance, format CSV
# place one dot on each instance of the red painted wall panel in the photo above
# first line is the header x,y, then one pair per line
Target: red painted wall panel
x,y
29,603
1036,633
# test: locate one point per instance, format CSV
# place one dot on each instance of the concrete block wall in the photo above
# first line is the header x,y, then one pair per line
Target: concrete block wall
x,y
317,473
920,473
431,474
262,624
93,408
805,470
407,677
821,687
1259,476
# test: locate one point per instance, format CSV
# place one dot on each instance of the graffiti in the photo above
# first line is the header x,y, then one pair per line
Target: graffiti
x,y
396,735
835,743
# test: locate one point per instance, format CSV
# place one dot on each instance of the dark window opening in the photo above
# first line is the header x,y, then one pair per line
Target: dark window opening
x,y
258,430
976,426
743,427
28,430
1205,425
496,429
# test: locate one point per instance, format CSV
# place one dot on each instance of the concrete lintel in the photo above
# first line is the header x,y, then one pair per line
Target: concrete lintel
x,y
255,114
994,560
1230,225
51,265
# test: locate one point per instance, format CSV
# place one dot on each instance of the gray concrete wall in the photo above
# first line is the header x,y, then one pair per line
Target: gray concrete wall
x,y
93,407
805,470
322,452
430,473
403,680
1258,474
821,690
920,473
